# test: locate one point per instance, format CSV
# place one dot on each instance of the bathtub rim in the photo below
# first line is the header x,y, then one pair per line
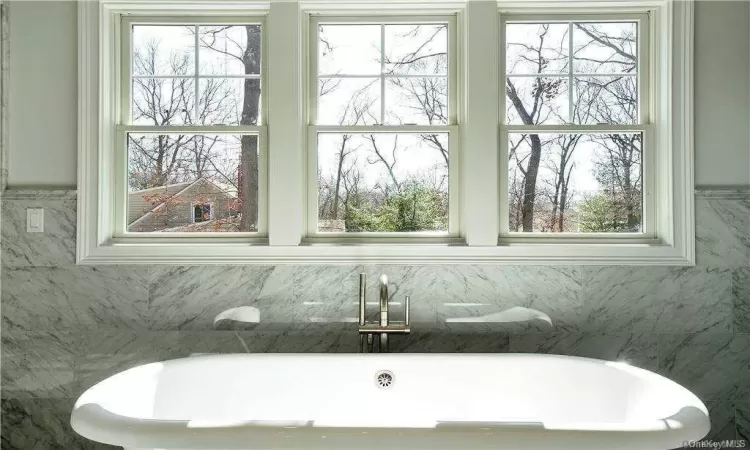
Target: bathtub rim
x,y
91,420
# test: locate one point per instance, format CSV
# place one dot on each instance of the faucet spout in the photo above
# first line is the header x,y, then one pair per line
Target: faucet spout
x,y
383,300
368,332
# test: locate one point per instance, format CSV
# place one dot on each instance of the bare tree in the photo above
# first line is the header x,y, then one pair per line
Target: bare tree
x,y
422,97
543,93
249,55
614,100
599,99
562,168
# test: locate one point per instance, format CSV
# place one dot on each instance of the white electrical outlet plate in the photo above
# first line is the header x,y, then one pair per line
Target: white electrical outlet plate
x,y
34,220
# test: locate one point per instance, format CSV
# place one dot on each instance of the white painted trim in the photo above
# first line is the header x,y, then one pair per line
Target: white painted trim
x,y
668,128
683,153
88,242
480,198
214,252
193,129
478,118
286,130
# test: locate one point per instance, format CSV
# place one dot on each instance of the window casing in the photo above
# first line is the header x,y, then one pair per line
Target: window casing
x,y
287,229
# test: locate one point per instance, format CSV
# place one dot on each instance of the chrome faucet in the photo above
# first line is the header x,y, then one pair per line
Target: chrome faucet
x,y
368,332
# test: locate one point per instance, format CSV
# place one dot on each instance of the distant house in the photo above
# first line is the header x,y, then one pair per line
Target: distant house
x,y
200,205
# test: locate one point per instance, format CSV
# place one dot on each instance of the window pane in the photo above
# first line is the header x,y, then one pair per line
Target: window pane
x,y
229,101
605,47
163,101
416,49
348,101
416,101
536,48
606,100
163,50
169,174
349,49
382,182
230,50
575,183
536,100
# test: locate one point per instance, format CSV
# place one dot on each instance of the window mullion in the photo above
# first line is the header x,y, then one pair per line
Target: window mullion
x,y
479,136
570,73
382,73
375,129
196,79
575,129
286,186
125,78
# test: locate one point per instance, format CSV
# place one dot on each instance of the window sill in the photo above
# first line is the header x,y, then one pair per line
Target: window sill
x,y
397,240
254,253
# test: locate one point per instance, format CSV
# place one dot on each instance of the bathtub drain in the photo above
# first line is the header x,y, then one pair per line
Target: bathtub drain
x,y
384,379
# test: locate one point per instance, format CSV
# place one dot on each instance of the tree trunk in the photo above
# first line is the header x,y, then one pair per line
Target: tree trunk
x,y
633,218
529,184
337,187
248,170
564,199
159,180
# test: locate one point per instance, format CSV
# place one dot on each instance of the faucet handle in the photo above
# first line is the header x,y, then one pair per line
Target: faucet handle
x,y
407,304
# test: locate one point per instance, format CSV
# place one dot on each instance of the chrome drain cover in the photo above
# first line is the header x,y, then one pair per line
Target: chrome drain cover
x,y
384,379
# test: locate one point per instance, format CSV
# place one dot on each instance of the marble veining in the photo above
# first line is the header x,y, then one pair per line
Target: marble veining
x,y
40,194
742,419
741,299
105,353
444,342
722,231
479,298
663,299
41,424
204,292
714,366
54,247
74,298
639,349
723,421
38,365
310,297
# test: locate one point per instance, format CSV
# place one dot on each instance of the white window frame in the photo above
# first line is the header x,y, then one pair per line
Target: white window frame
x,y
451,128
479,238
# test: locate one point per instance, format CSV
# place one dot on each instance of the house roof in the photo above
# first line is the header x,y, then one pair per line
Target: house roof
x,y
229,224
176,187
172,190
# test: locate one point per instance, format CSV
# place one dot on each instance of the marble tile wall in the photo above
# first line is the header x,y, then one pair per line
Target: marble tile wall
x,y
66,327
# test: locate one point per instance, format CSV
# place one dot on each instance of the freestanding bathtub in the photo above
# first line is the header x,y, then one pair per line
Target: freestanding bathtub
x,y
389,401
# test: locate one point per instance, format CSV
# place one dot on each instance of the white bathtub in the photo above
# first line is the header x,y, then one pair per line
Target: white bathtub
x,y
435,402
